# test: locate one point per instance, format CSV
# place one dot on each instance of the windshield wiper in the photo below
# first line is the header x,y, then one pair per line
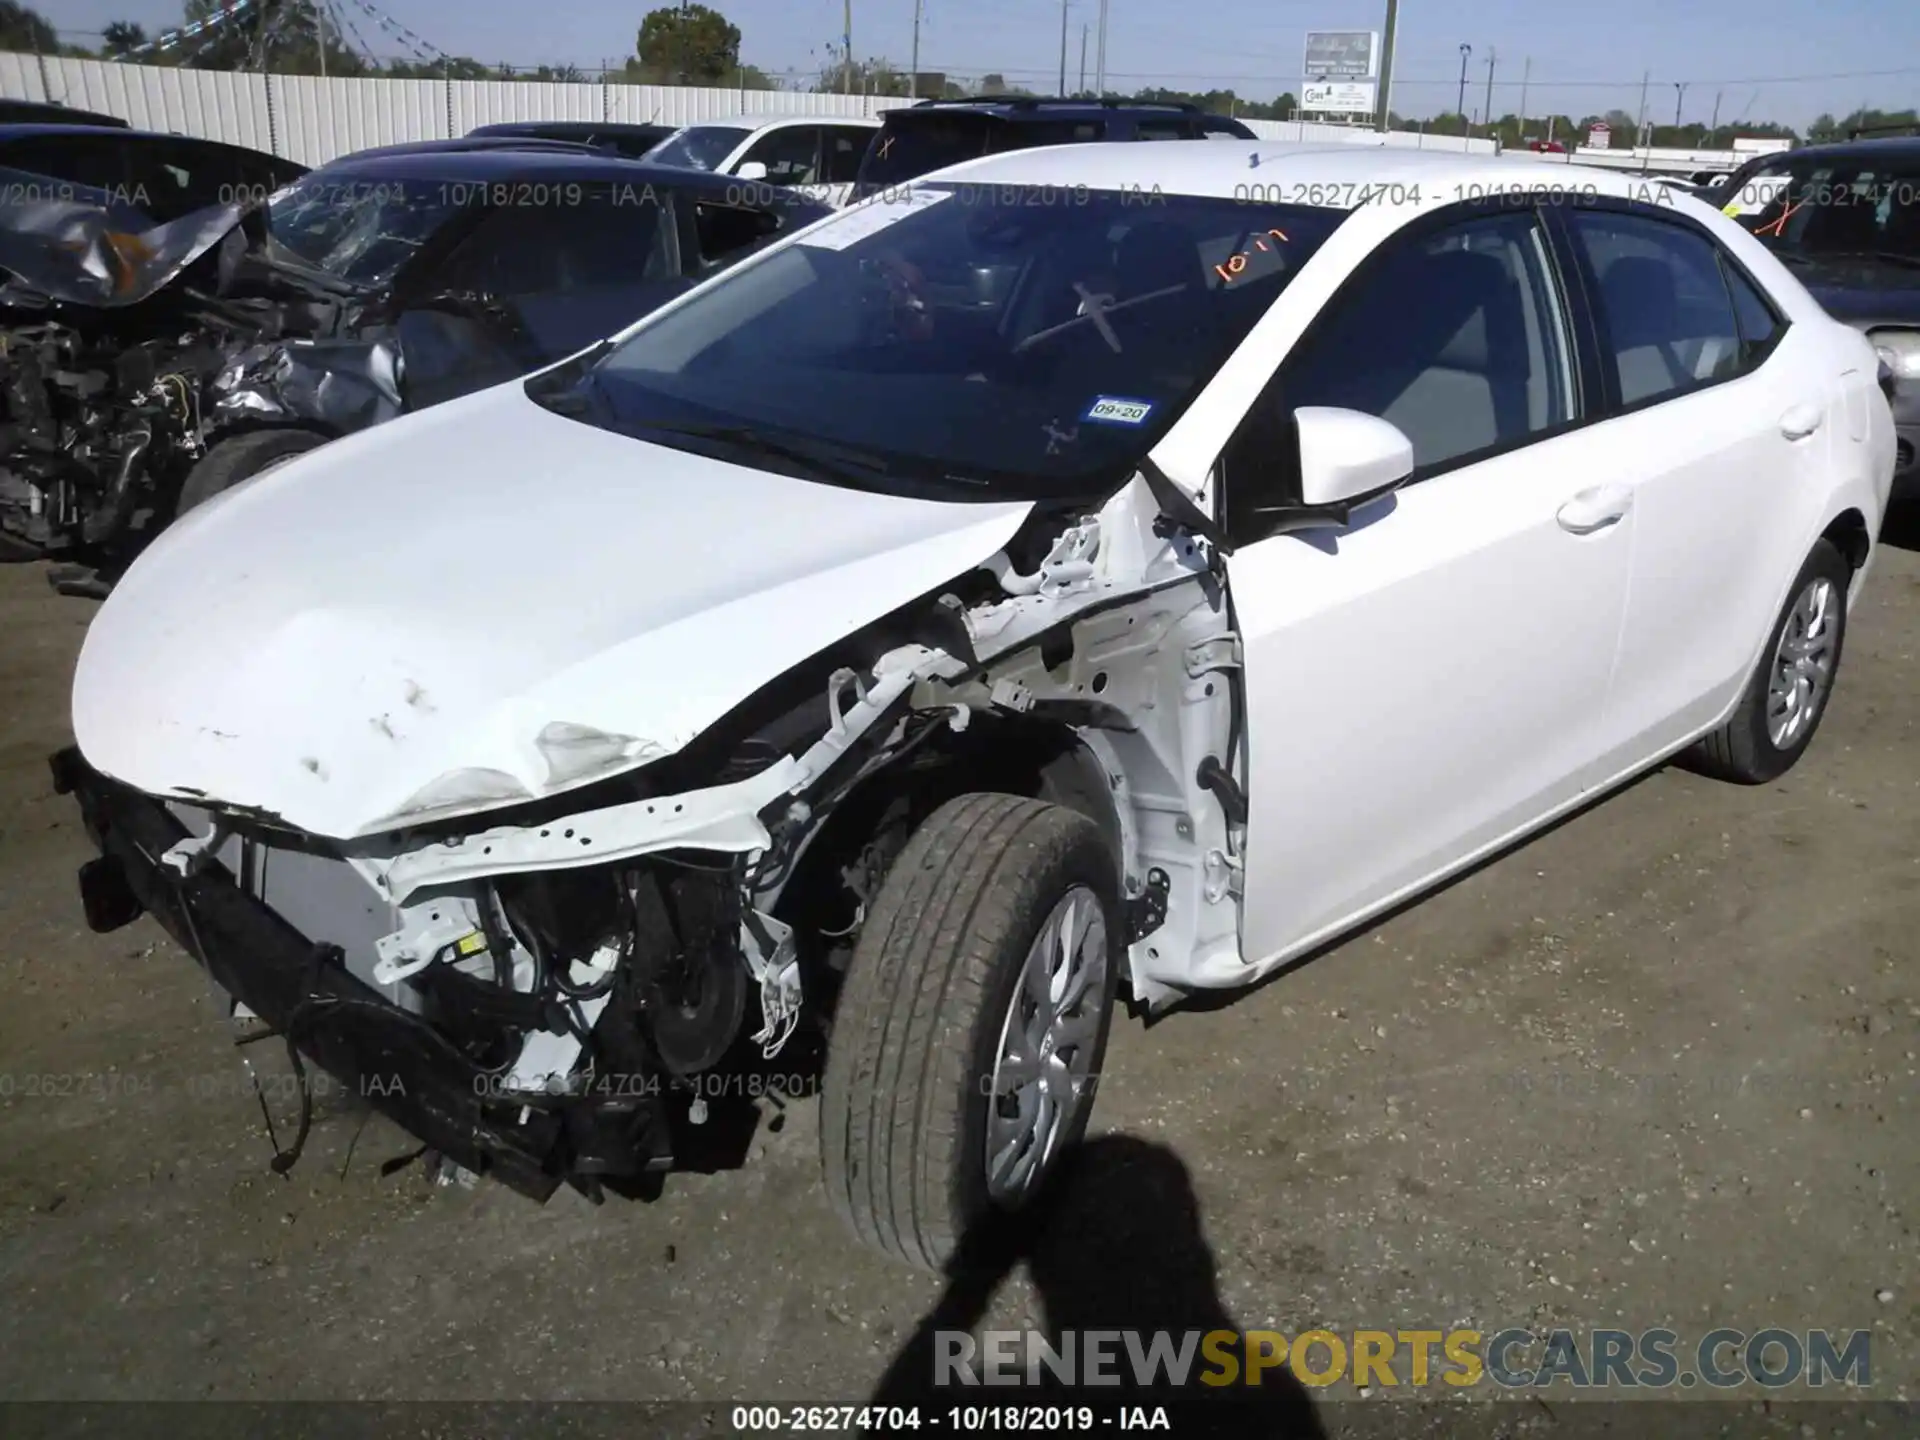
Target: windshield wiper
x,y
833,462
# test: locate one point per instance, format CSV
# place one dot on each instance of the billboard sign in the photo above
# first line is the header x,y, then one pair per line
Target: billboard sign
x,y
1338,97
1342,55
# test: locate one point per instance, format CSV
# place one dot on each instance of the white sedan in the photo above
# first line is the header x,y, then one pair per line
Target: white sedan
x,y
1097,567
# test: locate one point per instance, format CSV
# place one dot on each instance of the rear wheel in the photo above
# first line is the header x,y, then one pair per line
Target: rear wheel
x,y
969,1036
1787,697
241,457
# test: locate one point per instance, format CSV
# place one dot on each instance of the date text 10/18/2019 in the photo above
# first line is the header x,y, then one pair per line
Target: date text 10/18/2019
x,y
954,1419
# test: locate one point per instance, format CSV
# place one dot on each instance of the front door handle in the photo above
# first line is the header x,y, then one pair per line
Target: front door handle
x,y
1595,508
1801,421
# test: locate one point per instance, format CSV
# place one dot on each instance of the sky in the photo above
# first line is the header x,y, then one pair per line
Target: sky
x,y
1783,60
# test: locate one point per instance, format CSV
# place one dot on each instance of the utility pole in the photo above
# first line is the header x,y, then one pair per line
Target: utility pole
x,y
1466,52
1083,59
1715,129
1493,55
1679,97
1526,74
913,80
1383,118
1100,54
320,27
1063,49
1640,124
846,38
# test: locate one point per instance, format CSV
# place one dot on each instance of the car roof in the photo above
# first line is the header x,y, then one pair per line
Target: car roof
x,y
771,122
584,165
1886,147
568,127
1040,107
27,112
1228,168
121,136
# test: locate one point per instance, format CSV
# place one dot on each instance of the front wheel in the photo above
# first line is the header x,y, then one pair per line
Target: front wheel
x,y
1787,697
241,457
972,1024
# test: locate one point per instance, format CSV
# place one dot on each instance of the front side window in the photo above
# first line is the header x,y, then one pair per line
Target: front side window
x,y
1456,337
1666,317
698,147
967,340
791,155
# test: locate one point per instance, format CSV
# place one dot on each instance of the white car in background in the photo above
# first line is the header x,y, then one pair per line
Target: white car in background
x,y
815,155
1095,567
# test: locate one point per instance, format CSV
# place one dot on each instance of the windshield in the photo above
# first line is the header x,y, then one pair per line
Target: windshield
x,y
1833,207
1014,342
911,146
698,147
361,230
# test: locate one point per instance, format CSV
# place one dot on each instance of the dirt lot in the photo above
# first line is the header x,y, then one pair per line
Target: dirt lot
x,y
1656,1068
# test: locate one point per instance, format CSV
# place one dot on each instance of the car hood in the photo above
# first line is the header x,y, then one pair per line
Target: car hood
x,y
478,604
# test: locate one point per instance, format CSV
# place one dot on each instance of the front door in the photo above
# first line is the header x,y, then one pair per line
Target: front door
x,y
1430,679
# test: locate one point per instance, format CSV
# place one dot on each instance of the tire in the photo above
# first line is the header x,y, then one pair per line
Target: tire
x,y
1745,750
241,457
904,1120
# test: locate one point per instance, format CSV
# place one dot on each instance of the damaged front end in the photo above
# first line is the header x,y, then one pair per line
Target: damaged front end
x,y
567,990
111,327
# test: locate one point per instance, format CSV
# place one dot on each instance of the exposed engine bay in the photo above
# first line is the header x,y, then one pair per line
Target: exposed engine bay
x,y
570,990
112,330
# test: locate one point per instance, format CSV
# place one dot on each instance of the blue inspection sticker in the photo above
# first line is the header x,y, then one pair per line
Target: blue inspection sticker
x,y
1116,410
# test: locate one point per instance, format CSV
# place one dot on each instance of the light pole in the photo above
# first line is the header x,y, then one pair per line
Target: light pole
x,y
1100,54
1492,56
1063,49
1385,107
1460,107
913,78
1679,97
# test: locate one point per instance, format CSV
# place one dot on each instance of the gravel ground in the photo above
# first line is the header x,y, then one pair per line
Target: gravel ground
x,y
1656,1068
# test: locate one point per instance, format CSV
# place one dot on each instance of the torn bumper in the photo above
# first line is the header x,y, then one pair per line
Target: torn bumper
x,y
342,1026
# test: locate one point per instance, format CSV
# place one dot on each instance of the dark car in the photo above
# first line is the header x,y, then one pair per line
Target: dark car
x,y
152,367
934,134
163,176
39,112
628,139
1846,217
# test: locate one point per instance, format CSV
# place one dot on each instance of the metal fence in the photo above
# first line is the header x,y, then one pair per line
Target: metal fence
x,y
313,120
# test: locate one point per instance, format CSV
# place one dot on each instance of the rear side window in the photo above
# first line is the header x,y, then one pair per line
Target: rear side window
x,y
1666,316
1163,130
842,148
612,238
1759,324
908,149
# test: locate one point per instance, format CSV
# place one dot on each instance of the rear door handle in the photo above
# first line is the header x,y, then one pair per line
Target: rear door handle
x,y
1595,508
1801,421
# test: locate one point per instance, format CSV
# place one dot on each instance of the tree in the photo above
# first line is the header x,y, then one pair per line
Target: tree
x,y
25,29
120,38
689,45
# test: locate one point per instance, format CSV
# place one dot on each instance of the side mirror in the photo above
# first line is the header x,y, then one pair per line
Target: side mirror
x,y
751,170
1347,457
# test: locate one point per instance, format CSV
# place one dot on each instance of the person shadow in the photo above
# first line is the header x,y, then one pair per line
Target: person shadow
x,y
1113,1245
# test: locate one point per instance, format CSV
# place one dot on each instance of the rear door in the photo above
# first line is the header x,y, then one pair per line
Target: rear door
x,y
1722,441
1429,680
842,148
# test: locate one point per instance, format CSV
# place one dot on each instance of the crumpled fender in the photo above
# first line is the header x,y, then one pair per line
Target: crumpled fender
x,y
76,244
339,385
